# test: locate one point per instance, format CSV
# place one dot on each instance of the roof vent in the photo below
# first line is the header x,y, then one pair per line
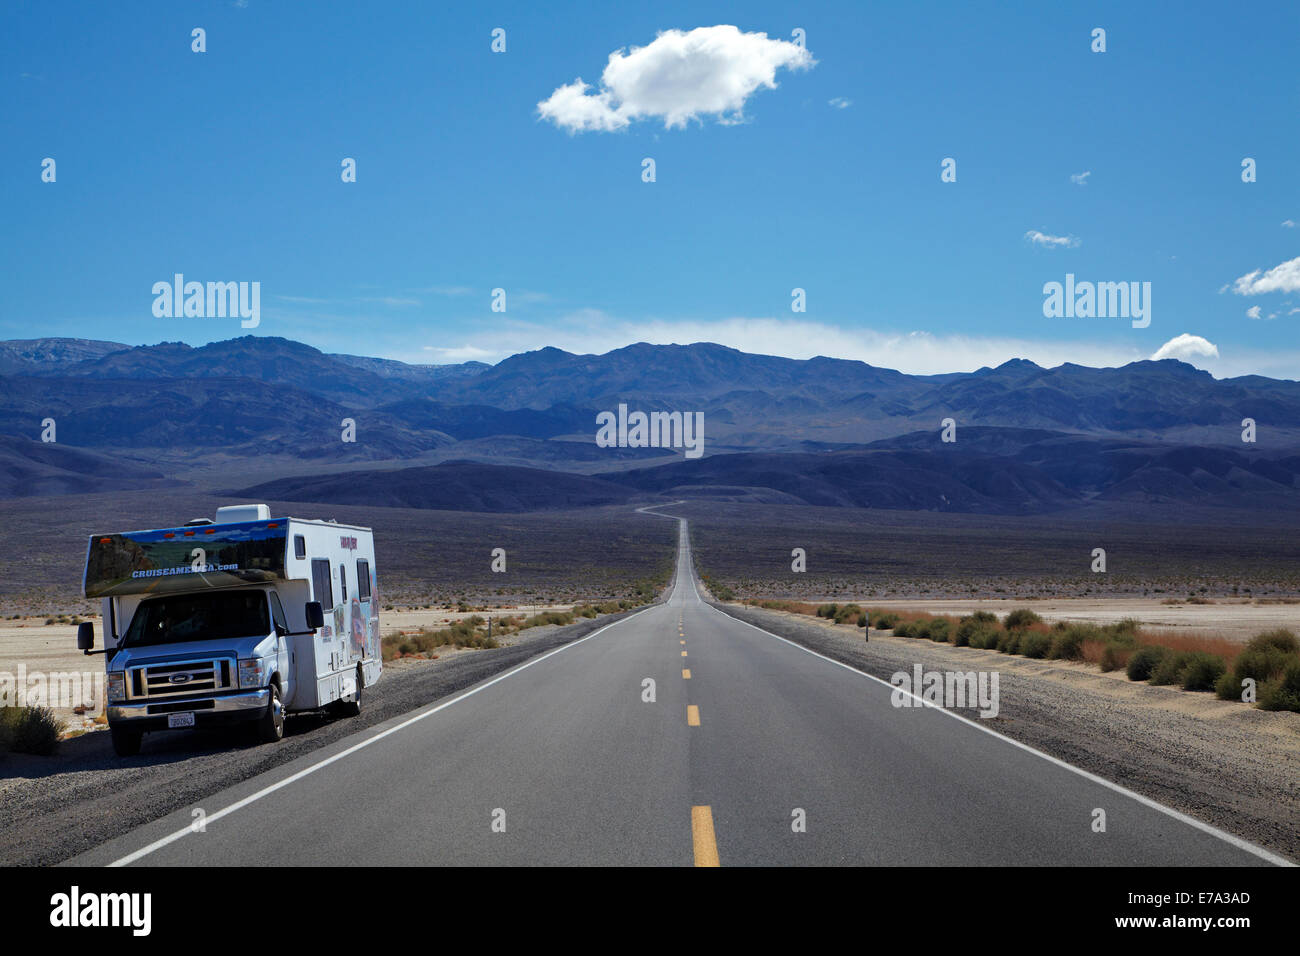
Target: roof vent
x,y
232,513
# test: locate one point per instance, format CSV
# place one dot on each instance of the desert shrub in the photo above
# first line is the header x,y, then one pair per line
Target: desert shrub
x,y
884,620
1278,640
1020,618
1283,692
1143,661
1227,687
1009,642
940,628
1261,663
904,629
1112,657
31,730
968,625
1067,642
1169,669
827,610
985,637
1034,644
862,619
1203,671
849,612
1123,632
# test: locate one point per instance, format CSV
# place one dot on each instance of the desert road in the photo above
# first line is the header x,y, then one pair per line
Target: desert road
x,y
750,751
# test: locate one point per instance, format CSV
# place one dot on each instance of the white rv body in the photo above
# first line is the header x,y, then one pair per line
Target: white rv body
x,y
270,569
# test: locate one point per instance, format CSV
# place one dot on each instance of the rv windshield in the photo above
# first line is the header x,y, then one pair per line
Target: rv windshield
x,y
199,617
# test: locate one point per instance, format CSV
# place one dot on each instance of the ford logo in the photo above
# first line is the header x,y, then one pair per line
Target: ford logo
x,y
179,678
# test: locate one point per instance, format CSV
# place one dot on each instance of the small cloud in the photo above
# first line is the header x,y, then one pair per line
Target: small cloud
x,y
1051,242
1288,223
1281,278
1186,346
1081,179
449,290
465,353
840,102
1252,312
680,76
302,300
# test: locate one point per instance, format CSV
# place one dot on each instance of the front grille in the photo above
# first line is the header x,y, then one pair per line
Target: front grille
x,y
184,678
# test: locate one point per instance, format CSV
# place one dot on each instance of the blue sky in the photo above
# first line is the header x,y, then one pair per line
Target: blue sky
x,y
225,166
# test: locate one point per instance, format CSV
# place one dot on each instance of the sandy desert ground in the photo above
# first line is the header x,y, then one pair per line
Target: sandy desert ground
x,y
1234,620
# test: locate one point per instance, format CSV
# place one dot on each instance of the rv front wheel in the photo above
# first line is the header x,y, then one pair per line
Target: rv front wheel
x,y
271,726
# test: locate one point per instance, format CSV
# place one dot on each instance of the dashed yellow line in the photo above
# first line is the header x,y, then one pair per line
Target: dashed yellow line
x,y
683,653
706,844
681,642
692,716
686,673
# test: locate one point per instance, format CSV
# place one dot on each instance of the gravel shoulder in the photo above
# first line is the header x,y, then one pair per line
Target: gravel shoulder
x,y
55,808
1230,765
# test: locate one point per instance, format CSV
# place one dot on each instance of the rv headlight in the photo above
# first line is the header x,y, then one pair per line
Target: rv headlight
x,y
252,673
116,687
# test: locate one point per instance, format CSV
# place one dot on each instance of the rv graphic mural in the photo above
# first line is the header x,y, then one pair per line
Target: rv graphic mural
x,y
179,559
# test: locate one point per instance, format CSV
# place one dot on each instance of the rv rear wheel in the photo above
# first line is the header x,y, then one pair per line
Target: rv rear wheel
x,y
126,740
351,708
271,726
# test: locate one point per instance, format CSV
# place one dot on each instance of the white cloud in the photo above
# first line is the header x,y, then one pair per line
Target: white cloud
x,y
1051,242
840,102
1281,278
589,331
1186,347
1288,223
679,77
919,352
1081,179
1252,312
466,353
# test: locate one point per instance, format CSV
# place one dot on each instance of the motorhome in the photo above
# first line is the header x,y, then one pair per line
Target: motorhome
x,y
243,619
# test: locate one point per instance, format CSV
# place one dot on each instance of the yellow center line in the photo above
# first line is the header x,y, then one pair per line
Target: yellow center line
x,y
686,673
681,642
692,716
683,653
706,845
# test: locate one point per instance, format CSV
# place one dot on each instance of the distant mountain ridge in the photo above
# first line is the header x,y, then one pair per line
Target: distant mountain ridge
x,y
260,396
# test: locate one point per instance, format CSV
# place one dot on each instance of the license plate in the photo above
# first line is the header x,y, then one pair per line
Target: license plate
x,y
180,720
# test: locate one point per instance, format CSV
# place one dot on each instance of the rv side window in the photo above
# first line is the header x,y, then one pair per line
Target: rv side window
x,y
321,585
277,614
299,546
363,579
343,582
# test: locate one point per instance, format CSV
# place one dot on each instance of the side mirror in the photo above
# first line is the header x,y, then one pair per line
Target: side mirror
x,y
85,636
315,616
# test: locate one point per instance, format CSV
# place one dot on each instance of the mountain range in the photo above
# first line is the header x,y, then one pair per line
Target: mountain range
x,y
818,431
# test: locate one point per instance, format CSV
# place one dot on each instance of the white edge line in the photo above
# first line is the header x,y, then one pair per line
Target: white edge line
x,y
1201,825
306,771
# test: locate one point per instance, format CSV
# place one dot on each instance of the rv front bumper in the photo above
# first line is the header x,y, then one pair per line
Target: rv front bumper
x,y
227,708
